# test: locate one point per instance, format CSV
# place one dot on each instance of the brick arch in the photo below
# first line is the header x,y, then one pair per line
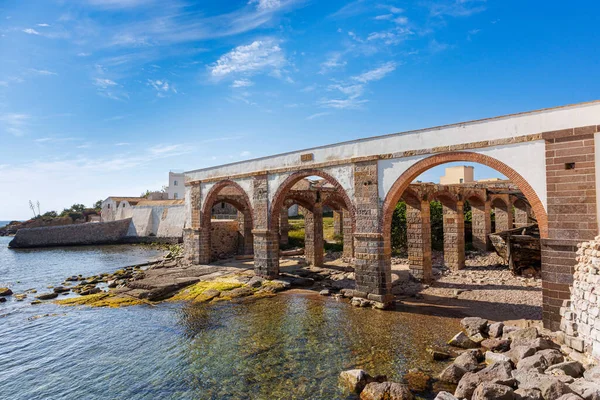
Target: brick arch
x,y
212,196
421,166
473,195
291,180
444,196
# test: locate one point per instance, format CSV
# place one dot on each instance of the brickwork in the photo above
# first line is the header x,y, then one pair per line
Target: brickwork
x,y
284,226
337,222
348,252
454,234
522,212
372,261
313,236
581,313
266,241
502,212
418,232
481,223
570,179
191,246
225,238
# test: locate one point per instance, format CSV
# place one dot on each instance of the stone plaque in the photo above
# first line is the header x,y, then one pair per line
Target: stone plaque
x,y
307,157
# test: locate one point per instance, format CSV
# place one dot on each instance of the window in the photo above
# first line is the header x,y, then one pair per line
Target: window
x,y
222,205
109,206
461,180
174,183
175,195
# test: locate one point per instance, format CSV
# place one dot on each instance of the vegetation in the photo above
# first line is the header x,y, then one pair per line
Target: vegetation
x,y
296,234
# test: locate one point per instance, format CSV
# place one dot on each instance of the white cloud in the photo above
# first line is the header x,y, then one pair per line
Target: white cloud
x,y
31,31
123,144
14,123
104,83
401,20
266,4
376,74
119,3
245,153
333,62
249,59
457,8
317,115
82,54
384,17
43,25
242,83
342,103
162,87
42,72
109,88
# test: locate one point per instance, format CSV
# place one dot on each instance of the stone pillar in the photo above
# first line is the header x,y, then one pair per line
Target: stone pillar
x,y
337,223
313,236
372,264
454,234
503,215
481,224
245,222
266,242
348,252
284,226
572,217
191,234
521,213
418,234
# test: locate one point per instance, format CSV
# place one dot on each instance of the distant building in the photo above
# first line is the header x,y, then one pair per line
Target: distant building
x,y
176,188
460,174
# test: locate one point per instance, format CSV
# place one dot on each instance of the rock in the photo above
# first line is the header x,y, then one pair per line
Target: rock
x,y
325,292
112,284
496,345
46,296
571,368
550,387
477,338
20,297
528,394
61,289
587,390
474,325
516,354
255,282
523,336
452,374
592,374
386,391
467,361
536,361
35,302
417,380
2,299
4,291
544,344
243,291
89,291
499,372
354,380
467,386
461,340
445,396
495,330
491,357
507,330
438,355
492,391
569,396
552,356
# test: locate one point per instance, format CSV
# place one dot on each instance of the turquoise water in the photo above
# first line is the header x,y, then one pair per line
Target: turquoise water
x,y
292,346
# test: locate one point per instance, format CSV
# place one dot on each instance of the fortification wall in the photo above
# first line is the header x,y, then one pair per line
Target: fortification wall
x,y
69,235
581,314
158,221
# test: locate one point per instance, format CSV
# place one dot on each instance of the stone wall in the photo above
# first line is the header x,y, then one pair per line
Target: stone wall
x,y
224,239
69,235
581,314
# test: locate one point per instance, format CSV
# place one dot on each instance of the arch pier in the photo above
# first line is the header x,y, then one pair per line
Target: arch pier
x,y
548,155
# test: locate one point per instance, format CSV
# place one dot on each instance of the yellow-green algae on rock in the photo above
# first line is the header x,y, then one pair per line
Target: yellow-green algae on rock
x,y
201,291
102,300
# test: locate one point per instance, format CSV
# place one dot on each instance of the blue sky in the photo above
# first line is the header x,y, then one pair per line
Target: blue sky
x,y
104,97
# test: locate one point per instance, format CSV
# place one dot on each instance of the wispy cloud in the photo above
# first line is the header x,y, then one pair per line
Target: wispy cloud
x,y
31,31
14,123
238,83
123,144
376,74
116,4
334,61
456,8
109,88
266,4
250,59
245,154
317,115
42,72
104,83
43,25
162,87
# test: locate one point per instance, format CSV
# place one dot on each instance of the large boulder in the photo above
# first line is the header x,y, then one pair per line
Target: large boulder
x,y
517,353
571,368
523,336
354,380
492,358
467,385
386,391
496,345
551,387
452,374
4,291
463,341
492,391
474,325
536,361
499,372
468,361
552,356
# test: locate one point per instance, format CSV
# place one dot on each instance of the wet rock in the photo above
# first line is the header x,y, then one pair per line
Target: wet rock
x,y
354,380
467,361
386,391
445,396
46,296
4,291
20,297
61,289
89,291
112,284
461,340
2,299
243,291
592,374
467,386
492,358
325,292
536,361
516,354
523,336
418,381
571,368
452,374
474,325
528,394
255,282
495,330
438,355
496,345
492,391
210,294
35,302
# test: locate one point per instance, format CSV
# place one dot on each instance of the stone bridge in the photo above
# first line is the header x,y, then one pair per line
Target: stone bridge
x,y
548,154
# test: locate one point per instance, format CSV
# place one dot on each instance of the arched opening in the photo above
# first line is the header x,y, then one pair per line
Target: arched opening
x,y
453,214
318,199
226,222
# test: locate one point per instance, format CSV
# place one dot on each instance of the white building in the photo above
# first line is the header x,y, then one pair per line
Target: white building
x,y
176,188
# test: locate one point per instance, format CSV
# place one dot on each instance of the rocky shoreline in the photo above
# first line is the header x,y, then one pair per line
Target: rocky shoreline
x,y
492,360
